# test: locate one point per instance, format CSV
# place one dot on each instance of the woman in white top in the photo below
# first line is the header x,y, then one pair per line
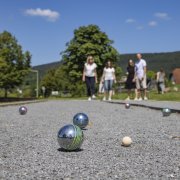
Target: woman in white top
x,y
90,77
108,78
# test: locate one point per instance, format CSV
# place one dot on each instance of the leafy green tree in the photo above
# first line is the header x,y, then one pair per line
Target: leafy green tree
x,y
14,64
49,82
61,79
151,74
88,40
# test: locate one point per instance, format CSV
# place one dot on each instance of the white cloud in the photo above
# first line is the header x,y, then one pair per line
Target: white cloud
x,y
152,23
139,27
162,15
130,20
46,13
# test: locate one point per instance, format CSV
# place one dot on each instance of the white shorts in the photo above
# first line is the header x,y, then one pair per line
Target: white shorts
x,y
141,84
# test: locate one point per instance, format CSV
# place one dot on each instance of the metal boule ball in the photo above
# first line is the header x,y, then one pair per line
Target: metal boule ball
x,y
22,110
166,111
70,137
81,120
127,105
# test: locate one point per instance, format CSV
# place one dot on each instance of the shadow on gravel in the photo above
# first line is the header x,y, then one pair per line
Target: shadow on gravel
x,y
84,129
64,150
15,99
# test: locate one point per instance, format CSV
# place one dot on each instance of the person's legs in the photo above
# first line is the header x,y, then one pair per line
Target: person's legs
x,y
92,86
136,93
87,79
110,84
144,86
139,94
105,89
158,88
138,87
127,86
128,94
162,87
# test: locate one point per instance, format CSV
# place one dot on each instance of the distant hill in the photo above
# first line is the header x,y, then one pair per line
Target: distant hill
x,y
168,61
44,68
155,61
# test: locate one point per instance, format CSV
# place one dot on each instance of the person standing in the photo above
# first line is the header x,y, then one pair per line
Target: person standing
x,y
140,77
108,78
160,78
90,77
130,82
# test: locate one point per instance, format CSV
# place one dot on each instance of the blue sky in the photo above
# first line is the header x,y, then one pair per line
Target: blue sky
x,y
44,26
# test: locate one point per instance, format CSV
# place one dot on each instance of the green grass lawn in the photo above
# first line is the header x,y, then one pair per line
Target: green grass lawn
x,y
153,95
169,96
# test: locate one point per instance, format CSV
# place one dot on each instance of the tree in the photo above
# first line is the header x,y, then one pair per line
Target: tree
x,y
49,81
87,40
151,74
14,64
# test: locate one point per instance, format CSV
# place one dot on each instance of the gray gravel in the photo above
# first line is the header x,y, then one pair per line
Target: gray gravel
x,y
29,147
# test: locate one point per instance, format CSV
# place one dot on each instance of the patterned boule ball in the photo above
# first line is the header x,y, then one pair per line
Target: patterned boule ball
x,y
70,137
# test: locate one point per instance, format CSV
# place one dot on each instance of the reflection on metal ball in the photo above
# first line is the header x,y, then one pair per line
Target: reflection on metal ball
x,y
70,137
22,110
127,105
81,120
166,111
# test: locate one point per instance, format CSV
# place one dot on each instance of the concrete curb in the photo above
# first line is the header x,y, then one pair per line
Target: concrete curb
x,y
145,106
20,103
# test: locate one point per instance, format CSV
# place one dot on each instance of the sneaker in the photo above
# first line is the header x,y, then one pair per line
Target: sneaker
x,y
140,99
135,99
145,98
93,96
127,99
109,99
104,98
89,99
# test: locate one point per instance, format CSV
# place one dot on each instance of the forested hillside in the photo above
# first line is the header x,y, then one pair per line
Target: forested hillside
x,y
155,61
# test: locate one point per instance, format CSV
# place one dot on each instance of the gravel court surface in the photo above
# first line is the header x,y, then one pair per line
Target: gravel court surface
x,y
29,147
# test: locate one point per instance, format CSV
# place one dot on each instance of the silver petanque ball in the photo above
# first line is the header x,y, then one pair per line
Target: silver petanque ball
x,y
70,137
22,110
166,111
127,105
81,120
